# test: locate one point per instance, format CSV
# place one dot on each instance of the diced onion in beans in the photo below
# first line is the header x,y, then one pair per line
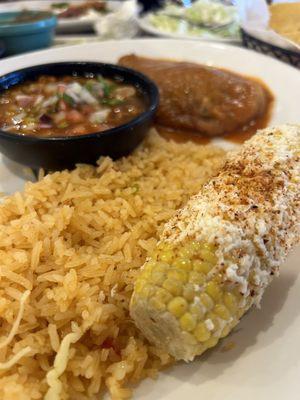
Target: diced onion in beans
x,y
99,116
50,102
23,100
59,117
79,94
38,100
86,97
50,88
18,118
124,92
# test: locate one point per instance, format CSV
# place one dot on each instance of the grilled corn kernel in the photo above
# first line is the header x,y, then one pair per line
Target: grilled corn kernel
x,y
172,286
187,252
163,295
149,265
214,319
208,256
183,263
196,246
167,256
189,292
202,266
140,285
157,277
188,322
225,331
222,311
202,334
197,311
148,291
213,290
230,302
160,266
178,306
154,302
197,277
179,275
207,253
211,342
207,301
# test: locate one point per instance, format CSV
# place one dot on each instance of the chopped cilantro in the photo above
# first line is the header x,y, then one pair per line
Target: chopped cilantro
x,y
89,85
112,102
107,87
59,5
68,99
63,125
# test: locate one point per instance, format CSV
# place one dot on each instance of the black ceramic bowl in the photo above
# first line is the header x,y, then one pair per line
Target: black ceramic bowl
x,y
56,153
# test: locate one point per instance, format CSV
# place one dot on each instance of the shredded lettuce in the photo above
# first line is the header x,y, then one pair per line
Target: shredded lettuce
x,y
195,20
210,13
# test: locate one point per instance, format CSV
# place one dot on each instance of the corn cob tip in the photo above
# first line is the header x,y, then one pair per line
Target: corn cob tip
x,y
220,252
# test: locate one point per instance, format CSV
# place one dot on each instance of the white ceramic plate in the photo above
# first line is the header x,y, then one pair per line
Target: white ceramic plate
x,y
145,24
264,363
71,40
64,25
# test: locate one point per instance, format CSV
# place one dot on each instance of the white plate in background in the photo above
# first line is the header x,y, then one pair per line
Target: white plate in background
x,y
264,363
146,25
64,25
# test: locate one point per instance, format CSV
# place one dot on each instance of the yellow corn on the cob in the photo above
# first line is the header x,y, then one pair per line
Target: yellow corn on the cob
x,y
218,254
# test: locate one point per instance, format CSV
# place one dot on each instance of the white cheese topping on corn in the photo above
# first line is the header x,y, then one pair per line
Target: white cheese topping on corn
x,y
218,254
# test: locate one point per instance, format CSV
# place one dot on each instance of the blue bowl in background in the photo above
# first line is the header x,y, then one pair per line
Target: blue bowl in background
x,y
22,31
